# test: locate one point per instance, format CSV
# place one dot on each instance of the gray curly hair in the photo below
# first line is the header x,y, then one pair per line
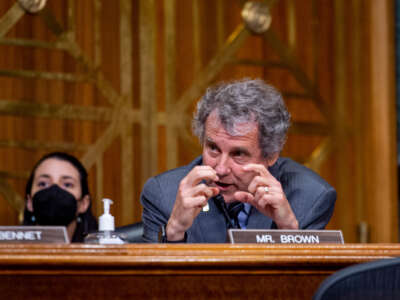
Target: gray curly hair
x,y
243,101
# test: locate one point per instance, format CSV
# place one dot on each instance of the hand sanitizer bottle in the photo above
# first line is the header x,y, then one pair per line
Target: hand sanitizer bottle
x,y
106,233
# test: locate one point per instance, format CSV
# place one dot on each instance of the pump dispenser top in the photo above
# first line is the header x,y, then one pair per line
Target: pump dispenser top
x,y
106,233
106,220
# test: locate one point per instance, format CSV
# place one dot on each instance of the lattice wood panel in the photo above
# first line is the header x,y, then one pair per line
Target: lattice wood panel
x,y
116,82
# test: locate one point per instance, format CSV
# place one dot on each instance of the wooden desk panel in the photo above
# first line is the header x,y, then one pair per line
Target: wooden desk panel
x,y
175,271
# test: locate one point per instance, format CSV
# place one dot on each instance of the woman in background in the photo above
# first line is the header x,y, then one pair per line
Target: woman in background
x,y
57,193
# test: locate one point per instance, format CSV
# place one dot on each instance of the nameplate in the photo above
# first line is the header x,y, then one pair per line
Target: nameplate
x,y
33,234
260,236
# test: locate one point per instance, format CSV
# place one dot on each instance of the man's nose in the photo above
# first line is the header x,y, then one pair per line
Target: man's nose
x,y
223,167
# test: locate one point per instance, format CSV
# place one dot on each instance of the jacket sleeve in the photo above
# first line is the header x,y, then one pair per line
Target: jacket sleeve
x,y
153,217
321,211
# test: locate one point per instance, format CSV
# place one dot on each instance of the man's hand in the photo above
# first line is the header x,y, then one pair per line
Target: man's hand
x,y
191,197
266,195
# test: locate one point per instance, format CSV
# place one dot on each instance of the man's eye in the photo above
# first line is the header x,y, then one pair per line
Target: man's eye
x,y
212,147
240,157
238,154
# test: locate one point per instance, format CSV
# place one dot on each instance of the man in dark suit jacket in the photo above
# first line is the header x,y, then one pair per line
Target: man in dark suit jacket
x,y
240,181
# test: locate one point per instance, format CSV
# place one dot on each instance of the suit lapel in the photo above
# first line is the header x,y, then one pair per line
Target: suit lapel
x,y
258,221
210,226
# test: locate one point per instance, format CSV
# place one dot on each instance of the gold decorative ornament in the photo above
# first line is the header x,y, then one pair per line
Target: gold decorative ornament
x,y
32,6
256,16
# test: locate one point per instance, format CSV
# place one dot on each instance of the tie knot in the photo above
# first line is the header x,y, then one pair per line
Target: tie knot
x,y
234,209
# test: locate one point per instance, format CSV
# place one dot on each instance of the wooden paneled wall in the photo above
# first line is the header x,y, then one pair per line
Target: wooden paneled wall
x,y
116,82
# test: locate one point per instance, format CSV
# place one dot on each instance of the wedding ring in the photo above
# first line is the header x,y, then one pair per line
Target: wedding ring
x,y
266,189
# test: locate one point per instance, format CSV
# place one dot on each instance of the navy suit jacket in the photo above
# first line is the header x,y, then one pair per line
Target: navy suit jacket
x,y
312,200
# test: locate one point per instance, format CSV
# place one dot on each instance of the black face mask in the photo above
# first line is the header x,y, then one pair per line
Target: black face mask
x,y
54,206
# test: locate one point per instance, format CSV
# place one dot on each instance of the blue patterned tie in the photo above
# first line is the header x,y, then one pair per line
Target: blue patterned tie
x,y
243,216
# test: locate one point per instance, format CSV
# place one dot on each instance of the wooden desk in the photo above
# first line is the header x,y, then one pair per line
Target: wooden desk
x,y
199,271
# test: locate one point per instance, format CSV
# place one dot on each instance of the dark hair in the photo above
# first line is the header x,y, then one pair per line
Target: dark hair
x,y
243,101
86,221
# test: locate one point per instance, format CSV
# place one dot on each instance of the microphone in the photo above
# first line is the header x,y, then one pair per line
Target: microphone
x,y
230,212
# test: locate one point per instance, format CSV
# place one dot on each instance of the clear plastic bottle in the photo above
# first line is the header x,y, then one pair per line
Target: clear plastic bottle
x,y
106,234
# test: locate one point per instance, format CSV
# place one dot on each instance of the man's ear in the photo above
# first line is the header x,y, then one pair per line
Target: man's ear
x,y
83,204
29,205
273,159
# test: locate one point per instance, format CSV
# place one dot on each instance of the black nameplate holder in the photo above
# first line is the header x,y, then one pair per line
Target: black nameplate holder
x,y
278,236
33,234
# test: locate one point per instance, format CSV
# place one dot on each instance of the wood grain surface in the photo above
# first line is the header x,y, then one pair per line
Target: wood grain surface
x,y
157,271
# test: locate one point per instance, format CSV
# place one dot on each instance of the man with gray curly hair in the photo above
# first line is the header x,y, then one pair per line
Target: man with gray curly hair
x,y
239,181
